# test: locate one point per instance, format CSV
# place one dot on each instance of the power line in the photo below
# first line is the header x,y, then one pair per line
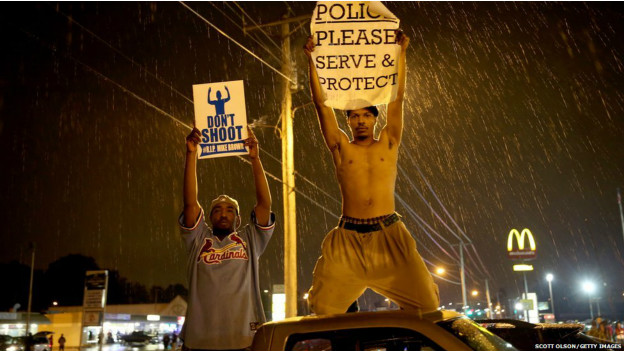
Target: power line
x,y
427,203
256,24
167,114
436,196
480,267
243,30
413,214
445,279
119,52
305,179
482,270
175,119
237,43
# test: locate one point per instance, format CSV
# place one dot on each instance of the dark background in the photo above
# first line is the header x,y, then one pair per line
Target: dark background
x,y
514,117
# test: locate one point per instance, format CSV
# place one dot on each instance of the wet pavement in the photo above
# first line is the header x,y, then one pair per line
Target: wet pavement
x,y
120,347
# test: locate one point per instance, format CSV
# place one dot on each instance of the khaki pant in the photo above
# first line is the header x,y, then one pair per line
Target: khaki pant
x,y
385,261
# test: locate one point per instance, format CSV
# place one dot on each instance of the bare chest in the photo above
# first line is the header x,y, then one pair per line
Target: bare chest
x,y
377,158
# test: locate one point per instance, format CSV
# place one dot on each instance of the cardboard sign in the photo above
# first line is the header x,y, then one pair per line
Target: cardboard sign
x,y
221,117
356,55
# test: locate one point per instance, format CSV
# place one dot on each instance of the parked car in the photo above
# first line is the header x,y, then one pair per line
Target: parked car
x,y
5,339
9,343
136,337
377,331
36,342
529,336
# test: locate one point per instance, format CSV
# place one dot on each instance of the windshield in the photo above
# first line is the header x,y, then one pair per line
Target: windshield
x,y
475,336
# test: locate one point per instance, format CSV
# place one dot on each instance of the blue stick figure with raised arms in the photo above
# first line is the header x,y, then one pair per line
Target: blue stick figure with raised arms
x,y
219,103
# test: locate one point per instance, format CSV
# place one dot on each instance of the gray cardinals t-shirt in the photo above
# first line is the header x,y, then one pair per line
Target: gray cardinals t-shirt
x,y
224,294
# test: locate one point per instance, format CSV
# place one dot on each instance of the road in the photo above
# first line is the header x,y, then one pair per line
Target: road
x,y
118,347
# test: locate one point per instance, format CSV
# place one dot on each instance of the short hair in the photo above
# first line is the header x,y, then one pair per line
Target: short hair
x,y
372,109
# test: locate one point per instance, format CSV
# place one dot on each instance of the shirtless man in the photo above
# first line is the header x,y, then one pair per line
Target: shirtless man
x,y
370,247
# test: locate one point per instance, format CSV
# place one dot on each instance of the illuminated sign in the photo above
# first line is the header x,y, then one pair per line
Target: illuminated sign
x,y
522,267
521,252
278,310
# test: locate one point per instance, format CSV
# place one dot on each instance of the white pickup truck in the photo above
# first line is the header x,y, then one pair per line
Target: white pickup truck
x,y
378,331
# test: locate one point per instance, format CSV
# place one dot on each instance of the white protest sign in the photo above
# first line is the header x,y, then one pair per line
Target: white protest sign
x,y
356,53
221,117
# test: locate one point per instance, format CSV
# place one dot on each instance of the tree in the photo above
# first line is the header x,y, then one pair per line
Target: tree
x,y
65,279
15,289
136,293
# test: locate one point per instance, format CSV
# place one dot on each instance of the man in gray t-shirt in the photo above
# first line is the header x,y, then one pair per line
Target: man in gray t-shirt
x,y
224,305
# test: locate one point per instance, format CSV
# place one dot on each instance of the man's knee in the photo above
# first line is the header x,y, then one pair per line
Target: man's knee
x,y
431,299
331,301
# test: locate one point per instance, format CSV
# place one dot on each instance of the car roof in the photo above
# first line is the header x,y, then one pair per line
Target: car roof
x,y
44,333
281,330
512,323
342,318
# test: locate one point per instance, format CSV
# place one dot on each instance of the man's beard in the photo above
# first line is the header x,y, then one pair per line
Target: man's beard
x,y
222,232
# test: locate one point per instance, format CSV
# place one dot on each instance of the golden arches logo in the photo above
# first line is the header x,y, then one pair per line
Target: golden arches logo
x,y
522,252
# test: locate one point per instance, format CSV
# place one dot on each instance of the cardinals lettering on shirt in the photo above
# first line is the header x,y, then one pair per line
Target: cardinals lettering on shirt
x,y
237,250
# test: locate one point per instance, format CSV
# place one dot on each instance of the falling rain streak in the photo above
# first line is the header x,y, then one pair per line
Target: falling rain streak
x,y
513,119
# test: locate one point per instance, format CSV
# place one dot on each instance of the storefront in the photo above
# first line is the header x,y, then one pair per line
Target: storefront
x,y
14,323
155,320
116,325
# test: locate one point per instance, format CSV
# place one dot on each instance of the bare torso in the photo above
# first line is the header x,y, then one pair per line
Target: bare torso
x,y
367,177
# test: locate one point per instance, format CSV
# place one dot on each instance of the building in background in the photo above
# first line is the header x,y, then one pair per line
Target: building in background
x,y
155,319
14,323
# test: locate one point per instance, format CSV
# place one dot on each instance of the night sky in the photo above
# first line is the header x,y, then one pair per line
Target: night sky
x,y
514,119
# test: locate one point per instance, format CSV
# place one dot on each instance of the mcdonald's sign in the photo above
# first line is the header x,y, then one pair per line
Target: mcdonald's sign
x,y
521,252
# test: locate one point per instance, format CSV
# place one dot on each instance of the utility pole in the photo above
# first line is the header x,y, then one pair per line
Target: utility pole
x,y
549,278
32,271
462,275
591,309
489,302
619,198
288,187
526,296
526,286
288,166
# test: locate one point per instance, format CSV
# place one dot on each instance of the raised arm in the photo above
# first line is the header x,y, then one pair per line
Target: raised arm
x,y
191,205
228,92
394,125
263,195
210,101
332,134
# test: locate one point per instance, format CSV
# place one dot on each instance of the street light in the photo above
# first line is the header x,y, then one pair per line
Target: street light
x,y
549,278
589,288
440,270
475,293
